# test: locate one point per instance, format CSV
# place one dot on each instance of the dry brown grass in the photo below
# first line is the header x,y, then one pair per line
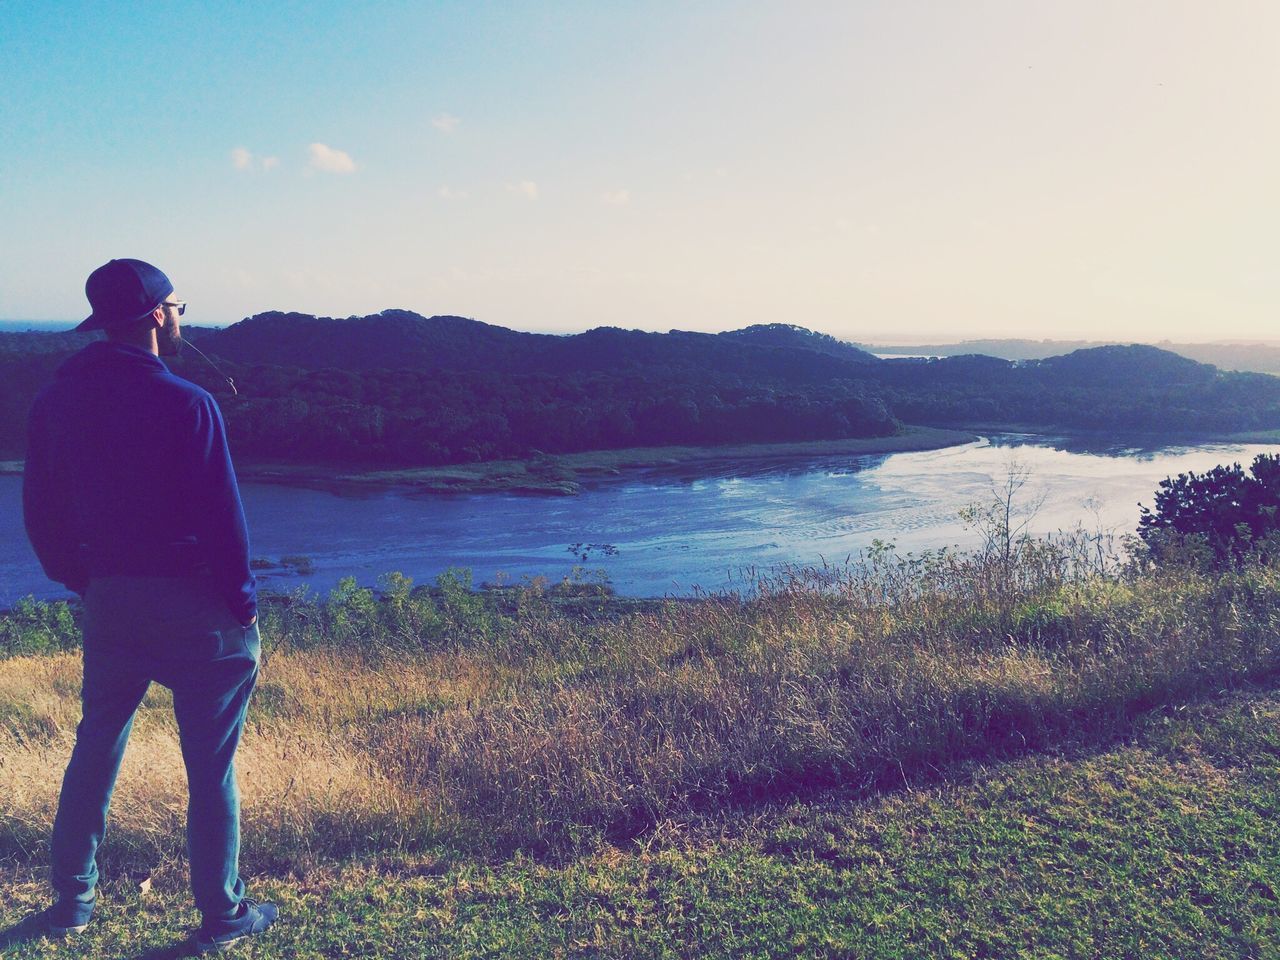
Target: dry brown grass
x,y
309,792
514,724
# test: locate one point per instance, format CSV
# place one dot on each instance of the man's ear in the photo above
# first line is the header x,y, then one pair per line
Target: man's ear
x,y
157,317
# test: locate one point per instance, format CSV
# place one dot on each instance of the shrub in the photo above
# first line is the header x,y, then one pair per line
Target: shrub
x,y
36,626
1217,518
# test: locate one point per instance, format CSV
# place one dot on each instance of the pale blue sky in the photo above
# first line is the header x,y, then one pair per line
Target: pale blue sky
x,y
1082,168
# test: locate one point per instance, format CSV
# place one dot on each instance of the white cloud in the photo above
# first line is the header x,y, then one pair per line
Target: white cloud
x,y
330,159
243,159
448,193
445,122
525,188
617,198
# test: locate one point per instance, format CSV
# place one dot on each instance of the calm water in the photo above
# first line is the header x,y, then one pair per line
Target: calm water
x,y
676,532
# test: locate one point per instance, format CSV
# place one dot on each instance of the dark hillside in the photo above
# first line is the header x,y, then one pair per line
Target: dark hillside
x,y
63,343
702,355
1257,356
791,336
1137,363
1134,387
398,339
969,368
399,389
1011,349
393,339
31,342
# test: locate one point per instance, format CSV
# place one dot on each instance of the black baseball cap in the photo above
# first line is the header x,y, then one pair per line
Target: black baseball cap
x,y
122,291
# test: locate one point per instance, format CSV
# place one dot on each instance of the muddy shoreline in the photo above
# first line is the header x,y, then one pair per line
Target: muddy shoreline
x,y
565,474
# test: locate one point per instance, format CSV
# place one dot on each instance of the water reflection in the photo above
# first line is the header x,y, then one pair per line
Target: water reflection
x,y
1111,445
677,529
747,468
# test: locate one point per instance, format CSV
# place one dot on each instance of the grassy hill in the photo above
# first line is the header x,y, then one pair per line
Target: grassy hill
x,y
970,755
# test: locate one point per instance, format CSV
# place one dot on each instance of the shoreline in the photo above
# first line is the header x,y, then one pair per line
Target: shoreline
x,y
565,474
1155,436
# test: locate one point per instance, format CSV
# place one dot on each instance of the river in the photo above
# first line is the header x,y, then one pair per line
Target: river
x,y
675,532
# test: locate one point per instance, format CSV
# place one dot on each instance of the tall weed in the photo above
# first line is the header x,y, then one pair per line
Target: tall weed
x,y
526,718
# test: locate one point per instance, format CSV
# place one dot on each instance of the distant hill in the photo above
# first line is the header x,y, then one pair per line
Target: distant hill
x,y
397,388
64,341
1004,349
790,336
1251,356
401,339
42,341
388,340
1136,363
1112,388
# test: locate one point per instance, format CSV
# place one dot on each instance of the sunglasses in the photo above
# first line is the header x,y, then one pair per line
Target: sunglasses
x,y
180,304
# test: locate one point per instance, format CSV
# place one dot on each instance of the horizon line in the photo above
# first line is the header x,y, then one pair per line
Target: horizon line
x,y
870,340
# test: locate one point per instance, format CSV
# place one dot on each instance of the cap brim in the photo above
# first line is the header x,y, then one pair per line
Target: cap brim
x,y
95,322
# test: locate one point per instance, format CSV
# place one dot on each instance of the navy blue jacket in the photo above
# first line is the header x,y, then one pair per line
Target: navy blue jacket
x,y
128,473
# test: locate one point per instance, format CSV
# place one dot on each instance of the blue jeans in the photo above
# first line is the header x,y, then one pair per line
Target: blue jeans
x,y
177,632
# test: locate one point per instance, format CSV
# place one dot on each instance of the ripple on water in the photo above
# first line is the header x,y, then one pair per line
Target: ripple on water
x,y
676,531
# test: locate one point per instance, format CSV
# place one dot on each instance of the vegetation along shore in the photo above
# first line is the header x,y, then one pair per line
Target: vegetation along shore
x,y
565,473
1030,749
397,391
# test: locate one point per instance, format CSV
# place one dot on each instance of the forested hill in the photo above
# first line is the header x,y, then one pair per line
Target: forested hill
x,y
1121,388
397,388
794,337
389,340
401,339
1250,356
1137,363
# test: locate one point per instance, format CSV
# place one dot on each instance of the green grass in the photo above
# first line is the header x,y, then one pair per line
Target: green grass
x,y
1018,752
1165,845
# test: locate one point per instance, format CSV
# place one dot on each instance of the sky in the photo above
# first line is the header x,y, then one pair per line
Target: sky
x,y
878,170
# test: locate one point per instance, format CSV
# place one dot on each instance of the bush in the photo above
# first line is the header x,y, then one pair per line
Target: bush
x,y
34,626
1218,518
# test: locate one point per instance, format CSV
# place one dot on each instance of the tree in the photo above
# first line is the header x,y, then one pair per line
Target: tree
x,y
1231,513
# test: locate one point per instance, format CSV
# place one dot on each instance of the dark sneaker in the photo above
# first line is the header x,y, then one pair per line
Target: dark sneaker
x,y
254,917
67,917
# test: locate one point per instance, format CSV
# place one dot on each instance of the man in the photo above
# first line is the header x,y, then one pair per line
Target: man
x,y
130,500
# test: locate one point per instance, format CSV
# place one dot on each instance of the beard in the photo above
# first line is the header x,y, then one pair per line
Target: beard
x,y
169,338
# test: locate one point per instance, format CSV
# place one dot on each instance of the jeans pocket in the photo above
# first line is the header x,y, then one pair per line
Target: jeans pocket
x,y
238,641
253,640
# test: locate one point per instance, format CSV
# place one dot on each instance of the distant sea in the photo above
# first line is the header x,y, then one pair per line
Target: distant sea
x,y
49,326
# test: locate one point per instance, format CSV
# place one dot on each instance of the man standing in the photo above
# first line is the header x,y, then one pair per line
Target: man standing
x,y
130,500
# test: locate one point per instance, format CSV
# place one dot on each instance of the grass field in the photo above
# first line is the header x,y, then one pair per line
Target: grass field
x,y
1021,752
1164,845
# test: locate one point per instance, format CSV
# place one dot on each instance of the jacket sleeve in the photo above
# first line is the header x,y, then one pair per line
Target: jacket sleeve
x,y
48,510
219,511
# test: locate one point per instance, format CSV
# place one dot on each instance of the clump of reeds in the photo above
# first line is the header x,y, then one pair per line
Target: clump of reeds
x,y
868,675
